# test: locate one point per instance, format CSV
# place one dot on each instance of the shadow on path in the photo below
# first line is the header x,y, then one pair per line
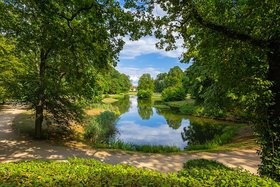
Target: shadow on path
x,y
16,148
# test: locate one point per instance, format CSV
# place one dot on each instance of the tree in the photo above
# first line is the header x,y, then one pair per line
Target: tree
x,y
65,43
10,68
246,24
160,82
175,77
145,86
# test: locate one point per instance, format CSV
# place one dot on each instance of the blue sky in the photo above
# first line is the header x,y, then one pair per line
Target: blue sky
x,y
139,57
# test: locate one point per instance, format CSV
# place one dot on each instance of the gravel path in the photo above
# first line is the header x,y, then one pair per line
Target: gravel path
x,y
16,148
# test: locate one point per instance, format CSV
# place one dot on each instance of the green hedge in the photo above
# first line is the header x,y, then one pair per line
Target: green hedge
x,y
212,173
87,172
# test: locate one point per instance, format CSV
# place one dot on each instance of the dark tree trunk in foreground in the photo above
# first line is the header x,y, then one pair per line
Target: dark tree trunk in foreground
x,y
41,96
270,133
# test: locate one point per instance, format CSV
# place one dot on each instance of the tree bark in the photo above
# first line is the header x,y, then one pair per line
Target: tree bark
x,y
274,77
270,130
41,96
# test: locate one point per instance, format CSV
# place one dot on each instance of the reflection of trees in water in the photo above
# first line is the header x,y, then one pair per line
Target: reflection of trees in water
x,y
200,132
145,109
173,120
123,104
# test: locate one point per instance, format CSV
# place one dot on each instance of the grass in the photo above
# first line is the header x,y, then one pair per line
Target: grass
x,y
109,100
178,104
161,106
140,148
117,96
156,97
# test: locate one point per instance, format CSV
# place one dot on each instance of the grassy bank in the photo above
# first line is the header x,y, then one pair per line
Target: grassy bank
x,y
188,107
88,172
139,148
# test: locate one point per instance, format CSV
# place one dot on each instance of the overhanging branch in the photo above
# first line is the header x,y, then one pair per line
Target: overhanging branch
x,y
227,31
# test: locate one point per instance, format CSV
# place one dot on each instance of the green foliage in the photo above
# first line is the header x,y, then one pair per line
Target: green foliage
x,y
146,82
211,173
205,164
101,129
113,82
85,172
89,172
139,148
234,50
160,82
63,50
144,94
174,78
145,109
145,86
173,94
205,135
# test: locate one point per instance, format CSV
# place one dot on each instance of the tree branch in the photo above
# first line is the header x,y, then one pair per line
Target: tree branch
x,y
228,31
74,15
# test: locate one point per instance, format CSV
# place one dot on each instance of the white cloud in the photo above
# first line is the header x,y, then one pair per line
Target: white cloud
x,y
147,45
135,73
132,132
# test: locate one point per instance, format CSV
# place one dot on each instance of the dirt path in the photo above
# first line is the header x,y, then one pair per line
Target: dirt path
x,y
16,148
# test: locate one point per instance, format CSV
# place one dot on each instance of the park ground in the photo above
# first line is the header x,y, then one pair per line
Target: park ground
x,y
16,147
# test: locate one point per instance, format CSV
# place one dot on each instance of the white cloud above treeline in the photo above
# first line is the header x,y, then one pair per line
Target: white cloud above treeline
x,y
145,46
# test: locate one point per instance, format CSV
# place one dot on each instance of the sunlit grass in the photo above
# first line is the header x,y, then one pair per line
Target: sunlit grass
x,y
139,148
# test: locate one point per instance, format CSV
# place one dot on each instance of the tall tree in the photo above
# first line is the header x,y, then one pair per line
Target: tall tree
x,y
247,23
66,43
146,82
160,82
175,77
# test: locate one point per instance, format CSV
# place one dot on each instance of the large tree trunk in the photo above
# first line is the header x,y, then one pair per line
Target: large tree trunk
x,y
274,76
41,96
39,119
270,129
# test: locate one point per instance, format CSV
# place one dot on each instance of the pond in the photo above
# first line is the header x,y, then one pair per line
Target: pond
x,y
140,123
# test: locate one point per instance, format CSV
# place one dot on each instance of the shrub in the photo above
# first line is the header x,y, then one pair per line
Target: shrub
x,y
173,94
101,128
85,172
211,173
144,94
88,172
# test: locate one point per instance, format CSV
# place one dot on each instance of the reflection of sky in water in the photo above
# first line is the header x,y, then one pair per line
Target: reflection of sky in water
x,y
133,129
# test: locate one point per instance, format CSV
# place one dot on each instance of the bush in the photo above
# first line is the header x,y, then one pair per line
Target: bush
x,y
211,173
101,128
173,94
88,172
85,172
144,94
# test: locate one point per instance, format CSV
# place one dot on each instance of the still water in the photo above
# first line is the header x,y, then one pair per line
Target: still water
x,y
141,123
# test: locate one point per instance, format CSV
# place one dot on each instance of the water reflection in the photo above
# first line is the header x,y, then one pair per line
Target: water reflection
x,y
141,123
201,131
123,104
173,120
145,109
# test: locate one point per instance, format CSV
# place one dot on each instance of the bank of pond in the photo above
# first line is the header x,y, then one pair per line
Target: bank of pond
x,y
142,126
